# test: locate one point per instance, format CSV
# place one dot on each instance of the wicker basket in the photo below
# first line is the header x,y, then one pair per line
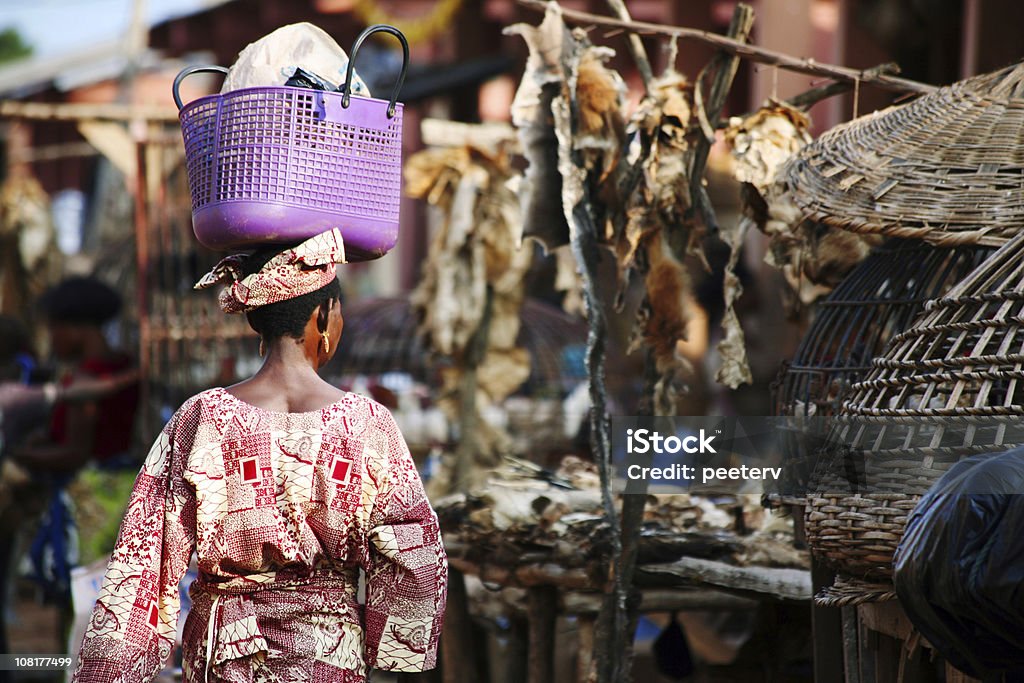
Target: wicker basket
x,y
946,388
851,327
947,167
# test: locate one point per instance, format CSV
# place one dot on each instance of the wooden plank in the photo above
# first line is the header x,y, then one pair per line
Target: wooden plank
x,y
887,658
665,600
887,618
491,136
955,675
762,582
40,111
527,575
518,649
851,645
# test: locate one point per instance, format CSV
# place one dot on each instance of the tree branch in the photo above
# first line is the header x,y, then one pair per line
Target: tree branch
x,y
753,53
636,45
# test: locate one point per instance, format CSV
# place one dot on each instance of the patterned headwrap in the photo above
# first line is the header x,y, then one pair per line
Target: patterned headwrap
x,y
295,271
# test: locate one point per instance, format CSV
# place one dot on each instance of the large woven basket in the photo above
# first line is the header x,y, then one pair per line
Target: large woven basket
x,y
877,300
947,167
948,387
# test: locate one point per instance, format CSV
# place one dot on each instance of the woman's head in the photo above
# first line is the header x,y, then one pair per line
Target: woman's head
x,y
75,310
304,318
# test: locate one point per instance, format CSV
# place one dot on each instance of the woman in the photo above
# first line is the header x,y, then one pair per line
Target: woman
x,y
285,487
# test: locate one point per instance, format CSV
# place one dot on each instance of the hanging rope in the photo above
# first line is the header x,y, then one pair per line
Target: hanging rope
x,y
416,29
856,98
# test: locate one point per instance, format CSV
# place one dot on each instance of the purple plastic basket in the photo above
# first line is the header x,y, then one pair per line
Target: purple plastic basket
x,y
279,164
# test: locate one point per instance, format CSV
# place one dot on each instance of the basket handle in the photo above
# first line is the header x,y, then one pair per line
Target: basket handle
x,y
376,28
188,71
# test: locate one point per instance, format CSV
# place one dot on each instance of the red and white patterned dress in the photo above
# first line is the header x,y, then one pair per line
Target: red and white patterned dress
x,y
282,509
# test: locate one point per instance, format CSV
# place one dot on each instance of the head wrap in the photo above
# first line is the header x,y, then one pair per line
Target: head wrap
x,y
295,271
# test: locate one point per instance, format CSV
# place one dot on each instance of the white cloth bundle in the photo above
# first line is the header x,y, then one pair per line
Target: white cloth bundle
x,y
272,59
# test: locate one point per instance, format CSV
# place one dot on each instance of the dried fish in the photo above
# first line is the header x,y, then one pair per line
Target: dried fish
x,y
522,513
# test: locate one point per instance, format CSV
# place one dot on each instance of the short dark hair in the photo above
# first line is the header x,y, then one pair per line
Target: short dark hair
x,y
288,317
81,300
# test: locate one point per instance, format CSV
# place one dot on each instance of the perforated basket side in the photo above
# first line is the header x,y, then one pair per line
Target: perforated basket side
x,y
296,147
199,133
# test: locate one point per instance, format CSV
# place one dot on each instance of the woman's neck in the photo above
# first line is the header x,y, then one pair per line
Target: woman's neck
x,y
287,382
286,361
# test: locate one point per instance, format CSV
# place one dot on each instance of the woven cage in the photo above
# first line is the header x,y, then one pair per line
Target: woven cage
x,y
947,167
948,387
851,327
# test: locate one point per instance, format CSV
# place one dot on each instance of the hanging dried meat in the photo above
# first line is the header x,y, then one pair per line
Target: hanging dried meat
x,y
812,257
561,60
472,281
541,187
29,258
656,229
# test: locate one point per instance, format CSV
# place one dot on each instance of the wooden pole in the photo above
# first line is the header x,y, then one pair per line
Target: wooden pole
x,y
585,652
827,629
142,284
518,649
469,413
636,45
753,53
457,650
542,603
724,65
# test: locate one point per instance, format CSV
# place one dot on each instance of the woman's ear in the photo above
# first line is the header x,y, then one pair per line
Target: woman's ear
x,y
323,315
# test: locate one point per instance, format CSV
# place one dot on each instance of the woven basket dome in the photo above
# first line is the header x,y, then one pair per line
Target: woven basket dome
x,y
851,327
947,167
950,386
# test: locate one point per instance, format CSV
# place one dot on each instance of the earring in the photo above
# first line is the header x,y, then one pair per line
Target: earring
x,y
327,341
263,348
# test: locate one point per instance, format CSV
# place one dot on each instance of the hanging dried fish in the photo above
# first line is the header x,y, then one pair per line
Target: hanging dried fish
x,y
558,56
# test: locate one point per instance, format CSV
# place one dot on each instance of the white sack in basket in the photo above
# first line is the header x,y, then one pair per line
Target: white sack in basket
x,y
272,59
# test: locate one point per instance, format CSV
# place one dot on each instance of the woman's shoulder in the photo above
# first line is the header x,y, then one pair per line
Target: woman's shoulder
x,y
368,405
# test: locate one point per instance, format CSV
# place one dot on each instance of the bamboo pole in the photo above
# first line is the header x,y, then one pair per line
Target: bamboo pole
x,y
807,65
